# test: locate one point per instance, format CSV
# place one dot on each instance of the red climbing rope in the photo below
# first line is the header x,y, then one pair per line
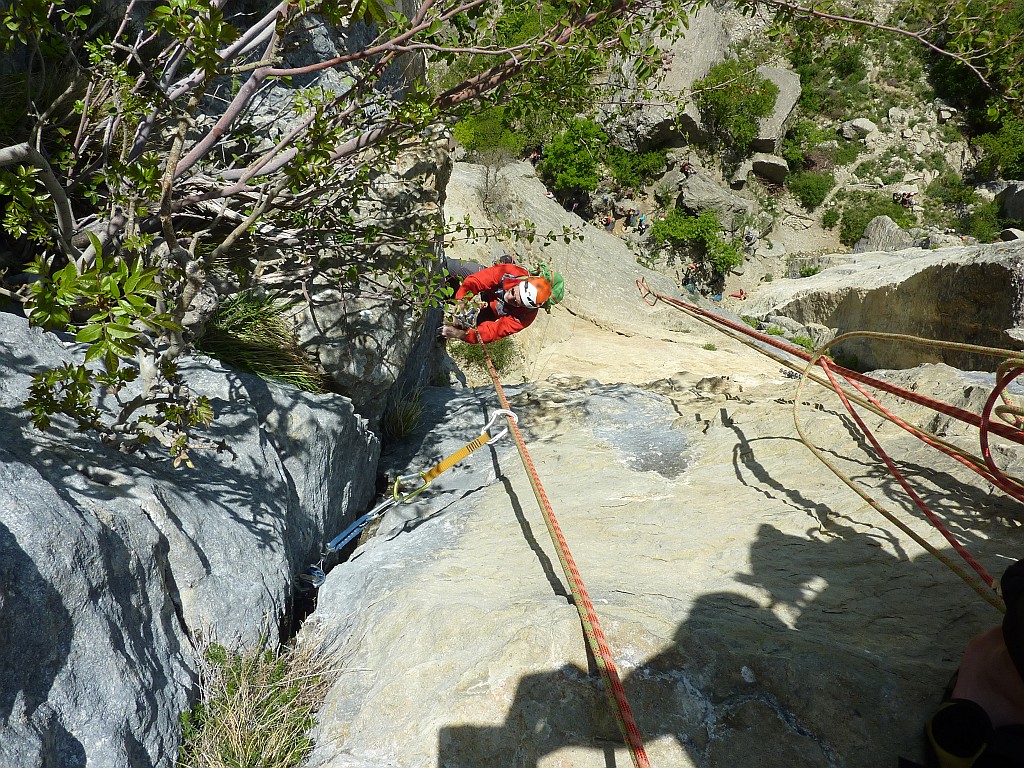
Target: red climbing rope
x,y
985,466
588,616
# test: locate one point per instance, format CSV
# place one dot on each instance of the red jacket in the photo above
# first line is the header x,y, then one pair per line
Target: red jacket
x,y
498,319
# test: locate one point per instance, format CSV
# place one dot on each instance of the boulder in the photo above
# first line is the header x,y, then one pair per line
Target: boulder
x,y
699,192
1011,200
857,128
771,167
1011,233
117,570
772,129
883,234
965,294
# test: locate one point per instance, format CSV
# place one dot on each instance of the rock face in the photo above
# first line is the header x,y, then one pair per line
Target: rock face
x,y
754,616
970,294
116,570
685,61
370,344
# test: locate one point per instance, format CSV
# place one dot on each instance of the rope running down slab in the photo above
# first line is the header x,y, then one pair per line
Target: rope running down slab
x,y
588,616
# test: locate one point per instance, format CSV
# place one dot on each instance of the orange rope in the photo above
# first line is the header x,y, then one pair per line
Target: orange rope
x,y
588,616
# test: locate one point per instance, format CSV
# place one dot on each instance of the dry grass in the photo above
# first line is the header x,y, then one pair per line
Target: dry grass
x,y
257,707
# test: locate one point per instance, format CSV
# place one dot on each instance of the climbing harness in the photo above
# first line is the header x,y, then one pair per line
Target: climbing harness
x,y
588,616
850,388
315,575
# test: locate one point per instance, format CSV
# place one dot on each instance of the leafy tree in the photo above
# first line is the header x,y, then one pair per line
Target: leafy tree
x,y
731,99
148,162
861,208
704,232
633,170
573,158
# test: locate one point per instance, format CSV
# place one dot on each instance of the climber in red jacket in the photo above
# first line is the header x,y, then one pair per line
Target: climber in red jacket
x,y
508,295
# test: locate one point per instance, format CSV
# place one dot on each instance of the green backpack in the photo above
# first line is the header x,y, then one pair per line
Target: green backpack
x,y
557,284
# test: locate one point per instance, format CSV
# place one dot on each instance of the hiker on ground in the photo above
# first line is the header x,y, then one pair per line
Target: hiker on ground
x,y
981,721
507,295
688,169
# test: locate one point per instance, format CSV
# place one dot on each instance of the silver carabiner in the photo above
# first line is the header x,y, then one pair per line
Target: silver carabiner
x,y
494,419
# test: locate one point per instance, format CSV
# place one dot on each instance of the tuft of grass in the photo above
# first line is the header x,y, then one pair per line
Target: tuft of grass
x,y
402,415
809,271
250,332
753,322
709,347
774,330
256,709
502,353
804,341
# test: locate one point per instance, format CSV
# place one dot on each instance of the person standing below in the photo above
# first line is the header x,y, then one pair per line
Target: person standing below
x,y
508,297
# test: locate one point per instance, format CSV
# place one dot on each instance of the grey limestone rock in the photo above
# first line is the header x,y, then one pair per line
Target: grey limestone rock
x,y
966,293
115,570
684,61
883,234
857,128
772,129
771,167
1011,199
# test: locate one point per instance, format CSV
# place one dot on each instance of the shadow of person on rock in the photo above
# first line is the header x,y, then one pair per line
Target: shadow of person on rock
x,y
798,678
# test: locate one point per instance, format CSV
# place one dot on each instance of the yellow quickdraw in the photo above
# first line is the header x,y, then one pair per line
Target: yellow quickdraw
x,y
432,474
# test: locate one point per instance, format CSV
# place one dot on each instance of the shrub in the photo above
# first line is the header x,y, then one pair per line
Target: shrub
x,y
753,322
811,188
633,170
249,331
861,208
571,159
830,219
681,231
984,222
774,330
809,271
488,130
804,341
1004,151
731,99
709,347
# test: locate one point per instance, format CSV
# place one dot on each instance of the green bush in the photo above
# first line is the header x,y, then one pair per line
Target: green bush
x,y
1004,151
809,271
860,208
830,219
950,190
250,332
804,341
488,130
709,347
682,231
571,159
811,188
731,99
633,170
984,222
